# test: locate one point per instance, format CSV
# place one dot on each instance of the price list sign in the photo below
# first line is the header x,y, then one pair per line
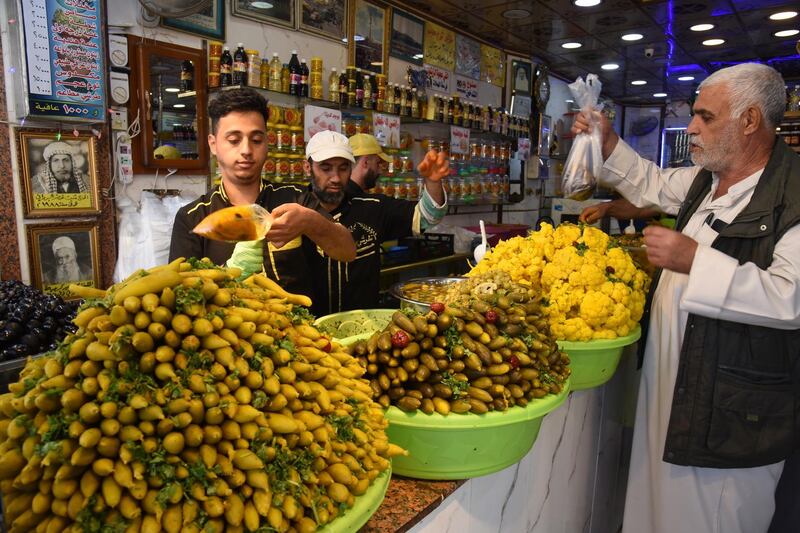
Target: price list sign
x,y
65,59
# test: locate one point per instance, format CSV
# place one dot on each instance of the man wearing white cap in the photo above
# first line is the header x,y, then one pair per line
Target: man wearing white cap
x,y
60,175
66,268
372,218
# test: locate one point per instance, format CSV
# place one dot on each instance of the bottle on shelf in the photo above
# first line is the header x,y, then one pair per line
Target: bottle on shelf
x,y
359,89
275,68
414,103
264,78
286,78
367,99
226,68
294,74
303,78
239,65
407,105
389,105
343,88
397,100
187,76
333,86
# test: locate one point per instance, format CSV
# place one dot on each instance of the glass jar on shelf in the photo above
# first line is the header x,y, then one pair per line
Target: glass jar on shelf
x,y
388,187
296,170
284,137
272,137
364,126
400,188
268,170
282,167
413,189
456,189
297,143
380,186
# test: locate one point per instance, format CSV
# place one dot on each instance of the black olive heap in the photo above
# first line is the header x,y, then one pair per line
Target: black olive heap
x,y
31,322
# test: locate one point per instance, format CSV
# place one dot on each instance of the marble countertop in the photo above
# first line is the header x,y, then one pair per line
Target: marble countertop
x,y
407,502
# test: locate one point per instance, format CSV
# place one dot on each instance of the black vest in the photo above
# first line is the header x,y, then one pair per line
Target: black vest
x,y
736,402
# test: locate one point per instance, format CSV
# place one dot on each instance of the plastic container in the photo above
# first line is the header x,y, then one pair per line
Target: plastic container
x,y
459,446
363,508
348,327
594,362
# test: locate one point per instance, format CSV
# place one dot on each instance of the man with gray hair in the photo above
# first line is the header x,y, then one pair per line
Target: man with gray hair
x,y
66,268
719,403
60,175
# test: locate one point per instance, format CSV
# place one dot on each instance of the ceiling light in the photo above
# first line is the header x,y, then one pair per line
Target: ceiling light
x,y
377,63
786,33
609,66
516,13
783,15
418,56
632,37
179,106
261,5
659,95
713,42
586,3
570,101
638,82
702,27
172,90
686,78
570,46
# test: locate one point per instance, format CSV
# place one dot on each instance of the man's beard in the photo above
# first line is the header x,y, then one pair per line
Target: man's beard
x,y
67,273
716,156
371,178
324,196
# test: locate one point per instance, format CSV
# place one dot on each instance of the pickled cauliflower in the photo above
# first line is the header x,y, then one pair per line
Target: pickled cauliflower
x,y
591,288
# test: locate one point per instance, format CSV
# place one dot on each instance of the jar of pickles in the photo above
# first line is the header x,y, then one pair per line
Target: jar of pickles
x,y
364,126
389,188
284,137
272,137
282,167
349,127
412,188
400,188
380,186
296,141
296,172
408,163
268,170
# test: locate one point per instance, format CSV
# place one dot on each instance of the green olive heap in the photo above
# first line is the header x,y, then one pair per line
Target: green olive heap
x,y
188,401
485,348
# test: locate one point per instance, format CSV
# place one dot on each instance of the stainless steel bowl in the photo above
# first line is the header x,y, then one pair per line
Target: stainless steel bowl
x,y
406,302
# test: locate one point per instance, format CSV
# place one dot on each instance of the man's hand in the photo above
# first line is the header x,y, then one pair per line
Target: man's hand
x,y
669,249
593,213
585,123
289,221
435,166
619,208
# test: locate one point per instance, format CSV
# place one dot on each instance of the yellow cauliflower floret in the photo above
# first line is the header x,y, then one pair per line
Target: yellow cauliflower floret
x,y
566,235
596,239
595,308
621,263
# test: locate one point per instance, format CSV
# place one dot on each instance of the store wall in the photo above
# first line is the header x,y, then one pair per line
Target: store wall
x,y
14,251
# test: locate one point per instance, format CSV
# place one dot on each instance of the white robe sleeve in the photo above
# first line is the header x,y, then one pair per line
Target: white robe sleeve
x,y
719,287
643,183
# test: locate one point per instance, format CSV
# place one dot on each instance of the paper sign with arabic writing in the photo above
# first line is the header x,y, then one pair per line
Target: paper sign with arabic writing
x,y
438,79
493,67
467,88
65,56
468,57
440,46
459,140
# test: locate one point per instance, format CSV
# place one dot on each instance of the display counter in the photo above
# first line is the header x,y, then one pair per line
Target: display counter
x,y
573,480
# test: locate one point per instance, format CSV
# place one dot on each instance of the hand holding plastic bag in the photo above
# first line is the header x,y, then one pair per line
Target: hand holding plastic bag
x,y
585,159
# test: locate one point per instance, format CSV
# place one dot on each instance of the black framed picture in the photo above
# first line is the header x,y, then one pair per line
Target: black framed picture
x,y
278,12
61,254
521,81
327,18
408,33
208,23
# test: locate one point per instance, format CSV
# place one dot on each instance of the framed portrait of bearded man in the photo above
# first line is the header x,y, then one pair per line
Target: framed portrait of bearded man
x,y
61,254
59,174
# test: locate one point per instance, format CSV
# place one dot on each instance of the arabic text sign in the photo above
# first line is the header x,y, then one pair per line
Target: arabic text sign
x,y
438,79
319,119
386,129
64,49
459,140
467,88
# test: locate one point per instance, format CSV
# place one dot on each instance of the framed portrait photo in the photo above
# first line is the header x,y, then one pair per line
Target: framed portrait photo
x,y
278,12
408,33
326,18
59,177
209,23
61,254
521,81
367,39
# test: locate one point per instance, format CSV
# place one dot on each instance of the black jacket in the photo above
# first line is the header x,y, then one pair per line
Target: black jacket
x,y
290,266
736,402
372,219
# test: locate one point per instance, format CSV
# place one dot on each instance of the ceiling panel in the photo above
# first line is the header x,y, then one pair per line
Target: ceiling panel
x,y
677,51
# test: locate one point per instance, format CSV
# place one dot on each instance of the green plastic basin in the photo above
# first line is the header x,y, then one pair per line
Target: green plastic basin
x,y
594,362
363,508
348,327
459,446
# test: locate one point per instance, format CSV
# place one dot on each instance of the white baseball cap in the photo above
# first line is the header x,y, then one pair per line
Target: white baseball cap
x,y
327,145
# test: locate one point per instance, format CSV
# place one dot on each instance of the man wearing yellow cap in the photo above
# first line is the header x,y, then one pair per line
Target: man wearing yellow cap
x,y
371,218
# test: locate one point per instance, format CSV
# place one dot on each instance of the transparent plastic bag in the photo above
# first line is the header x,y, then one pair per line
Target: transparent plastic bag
x,y
585,159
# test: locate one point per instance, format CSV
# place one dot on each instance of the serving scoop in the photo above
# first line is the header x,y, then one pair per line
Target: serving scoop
x,y
483,247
